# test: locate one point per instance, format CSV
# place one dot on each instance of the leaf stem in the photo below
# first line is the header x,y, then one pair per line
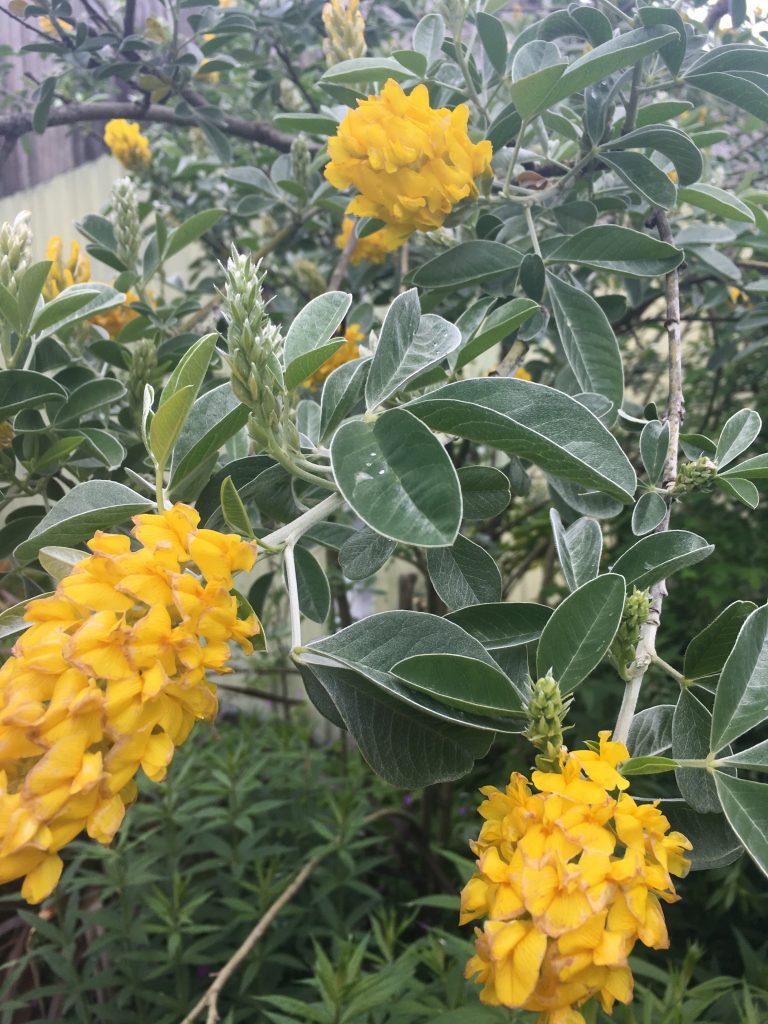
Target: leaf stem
x,y
666,667
289,562
292,531
532,229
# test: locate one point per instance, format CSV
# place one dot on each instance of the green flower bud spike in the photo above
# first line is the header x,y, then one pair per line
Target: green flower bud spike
x,y
546,711
125,221
637,608
15,251
694,476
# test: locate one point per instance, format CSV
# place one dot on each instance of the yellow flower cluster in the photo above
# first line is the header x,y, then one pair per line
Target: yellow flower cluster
x,y
374,247
410,163
76,270
110,677
570,878
343,354
127,144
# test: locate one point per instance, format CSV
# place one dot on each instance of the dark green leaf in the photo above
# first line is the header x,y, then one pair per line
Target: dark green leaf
x,y
714,843
534,422
741,698
89,506
503,625
26,389
92,395
691,726
708,651
497,326
405,746
589,342
580,631
642,175
673,143
485,491
654,446
468,263
461,682
343,391
314,590
464,574
622,250
494,40
648,513
656,557
364,553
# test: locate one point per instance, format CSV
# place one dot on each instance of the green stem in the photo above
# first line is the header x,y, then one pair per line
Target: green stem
x,y
513,160
672,672
532,229
159,495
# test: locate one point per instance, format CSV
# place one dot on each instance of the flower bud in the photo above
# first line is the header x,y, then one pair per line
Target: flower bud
x,y
546,712
15,250
344,31
695,476
125,220
637,608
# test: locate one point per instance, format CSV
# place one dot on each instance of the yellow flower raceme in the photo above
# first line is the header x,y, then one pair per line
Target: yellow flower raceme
x,y
109,677
76,270
127,144
374,247
410,163
571,871
343,354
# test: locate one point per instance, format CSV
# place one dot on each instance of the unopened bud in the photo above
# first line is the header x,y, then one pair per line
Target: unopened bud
x,y
637,608
125,220
344,31
546,711
695,476
15,250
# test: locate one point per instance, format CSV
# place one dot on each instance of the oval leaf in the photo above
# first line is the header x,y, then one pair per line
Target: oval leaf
x,y
464,574
656,557
398,478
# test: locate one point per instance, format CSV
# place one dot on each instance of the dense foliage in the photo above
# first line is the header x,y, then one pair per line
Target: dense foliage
x,y
479,293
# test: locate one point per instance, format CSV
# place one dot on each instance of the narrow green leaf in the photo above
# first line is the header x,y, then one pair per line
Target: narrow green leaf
x,y
366,69
578,548
468,263
26,389
460,682
622,250
168,422
534,422
343,391
494,40
497,326
190,230
755,758
717,201
30,289
642,175
233,510
589,342
648,765
673,143
191,368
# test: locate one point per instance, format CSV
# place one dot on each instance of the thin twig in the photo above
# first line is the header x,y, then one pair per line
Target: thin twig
x,y
646,647
211,996
341,267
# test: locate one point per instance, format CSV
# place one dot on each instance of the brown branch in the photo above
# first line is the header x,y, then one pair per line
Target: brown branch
x,y
210,997
16,125
341,267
